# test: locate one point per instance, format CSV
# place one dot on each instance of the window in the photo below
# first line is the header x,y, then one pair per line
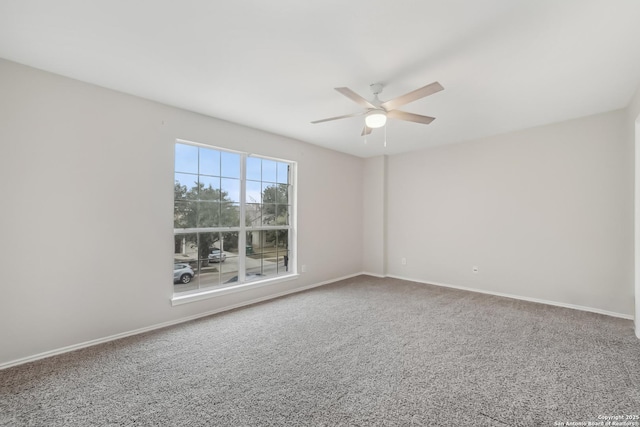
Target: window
x,y
232,218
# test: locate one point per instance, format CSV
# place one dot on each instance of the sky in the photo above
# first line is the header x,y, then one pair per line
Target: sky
x,y
221,169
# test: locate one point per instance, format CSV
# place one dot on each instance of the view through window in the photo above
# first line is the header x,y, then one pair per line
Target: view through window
x,y
232,218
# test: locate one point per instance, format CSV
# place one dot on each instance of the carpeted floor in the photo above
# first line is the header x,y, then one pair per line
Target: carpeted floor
x,y
361,352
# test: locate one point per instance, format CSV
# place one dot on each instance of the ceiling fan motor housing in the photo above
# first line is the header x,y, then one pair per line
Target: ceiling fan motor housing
x,y
376,88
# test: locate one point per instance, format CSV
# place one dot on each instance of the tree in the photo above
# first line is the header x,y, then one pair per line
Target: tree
x,y
275,211
274,208
203,207
184,214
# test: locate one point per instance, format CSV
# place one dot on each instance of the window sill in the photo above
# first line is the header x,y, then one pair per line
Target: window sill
x,y
179,299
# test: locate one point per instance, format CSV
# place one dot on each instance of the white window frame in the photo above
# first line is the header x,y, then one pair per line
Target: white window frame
x,y
201,294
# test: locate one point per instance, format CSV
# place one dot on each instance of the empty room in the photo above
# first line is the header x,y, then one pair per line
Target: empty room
x,y
377,213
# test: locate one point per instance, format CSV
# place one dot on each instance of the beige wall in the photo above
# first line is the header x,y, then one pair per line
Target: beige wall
x,y
544,213
633,110
87,184
373,215
633,128
87,194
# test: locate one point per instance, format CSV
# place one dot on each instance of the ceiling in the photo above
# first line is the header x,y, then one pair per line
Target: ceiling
x,y
272,65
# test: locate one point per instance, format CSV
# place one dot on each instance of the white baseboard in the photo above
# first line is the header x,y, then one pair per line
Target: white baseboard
x,y
90,343
519,297
280,294
366,273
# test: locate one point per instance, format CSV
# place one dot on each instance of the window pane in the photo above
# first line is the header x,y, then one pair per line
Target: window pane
x,y
213,242
209,275
229,215
209,188
208,214
253,214
282,194
209,162
179,192
282,215
283,173
208,256
282,250
186,158
185,214
185,263
267,253
230,190
281,239
229,242
186,182
269,214
229,271
229,267
254,192
250,248
273,214
230,163
254,168
269,168
269,193
254,260
283,261
204,254
259,269
209,242
185,248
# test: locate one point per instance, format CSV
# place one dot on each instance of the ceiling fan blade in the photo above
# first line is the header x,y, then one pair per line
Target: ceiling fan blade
x,y
412,96
338,117
366,130
410,117
355,97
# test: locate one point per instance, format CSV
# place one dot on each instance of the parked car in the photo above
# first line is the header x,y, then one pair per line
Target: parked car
x,y
182,273
217,255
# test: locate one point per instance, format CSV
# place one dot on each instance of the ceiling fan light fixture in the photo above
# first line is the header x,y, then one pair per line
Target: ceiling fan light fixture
x,y
376,119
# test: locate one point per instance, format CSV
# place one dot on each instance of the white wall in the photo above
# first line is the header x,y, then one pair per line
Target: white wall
x,y
86,223
544,213
373,215
633,129
87,194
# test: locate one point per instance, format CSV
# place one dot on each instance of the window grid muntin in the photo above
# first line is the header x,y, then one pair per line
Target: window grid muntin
x,y
283,171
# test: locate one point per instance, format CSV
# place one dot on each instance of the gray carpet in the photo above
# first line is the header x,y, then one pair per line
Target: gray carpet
x,y
361,352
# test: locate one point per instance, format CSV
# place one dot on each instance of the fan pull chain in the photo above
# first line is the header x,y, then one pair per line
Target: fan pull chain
x,y
385,136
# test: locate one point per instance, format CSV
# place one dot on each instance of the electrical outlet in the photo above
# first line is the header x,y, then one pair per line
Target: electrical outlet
x,y
303,268
475,269
403,261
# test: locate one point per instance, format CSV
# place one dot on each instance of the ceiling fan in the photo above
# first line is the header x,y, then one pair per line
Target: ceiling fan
x,y
377,112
